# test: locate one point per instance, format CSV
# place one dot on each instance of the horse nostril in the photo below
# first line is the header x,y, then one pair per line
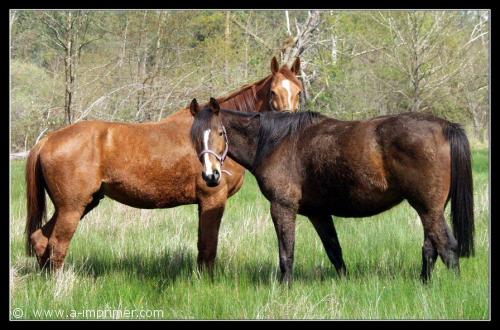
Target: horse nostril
x,y
211,178
207,177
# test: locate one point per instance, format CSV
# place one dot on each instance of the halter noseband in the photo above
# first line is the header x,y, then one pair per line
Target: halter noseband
x,y
222,157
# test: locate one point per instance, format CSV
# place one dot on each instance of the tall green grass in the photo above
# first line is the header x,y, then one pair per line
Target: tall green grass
x,y
126,258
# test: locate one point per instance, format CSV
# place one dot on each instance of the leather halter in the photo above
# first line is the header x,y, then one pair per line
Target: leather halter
x,y
222,157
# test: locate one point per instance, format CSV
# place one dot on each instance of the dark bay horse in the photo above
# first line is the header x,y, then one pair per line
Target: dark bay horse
x,y
317,166
148,165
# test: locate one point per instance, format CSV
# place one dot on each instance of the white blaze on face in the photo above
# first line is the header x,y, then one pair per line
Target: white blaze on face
x,y
206,160
288,87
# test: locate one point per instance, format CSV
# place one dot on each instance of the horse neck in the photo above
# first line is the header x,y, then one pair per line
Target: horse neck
x,y
262,92
243,136
253,98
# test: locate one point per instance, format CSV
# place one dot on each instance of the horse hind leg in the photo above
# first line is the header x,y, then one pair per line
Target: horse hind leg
x,y
326,230
64,227
40,240
96,198
438,238
429,256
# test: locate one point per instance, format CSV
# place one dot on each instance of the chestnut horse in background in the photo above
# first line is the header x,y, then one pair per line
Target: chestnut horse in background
x,y
310,164
147,165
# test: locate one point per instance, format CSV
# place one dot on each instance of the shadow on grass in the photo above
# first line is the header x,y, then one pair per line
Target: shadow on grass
x,y
181,264
166,267
364,270
267,272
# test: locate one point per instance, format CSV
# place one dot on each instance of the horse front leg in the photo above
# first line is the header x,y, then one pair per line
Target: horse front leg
x,y
210,213
284,224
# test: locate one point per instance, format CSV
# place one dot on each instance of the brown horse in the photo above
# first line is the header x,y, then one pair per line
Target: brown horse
x,y
318,166
148,165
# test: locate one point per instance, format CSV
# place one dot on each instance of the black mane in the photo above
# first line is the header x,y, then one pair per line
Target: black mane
x,y
275,127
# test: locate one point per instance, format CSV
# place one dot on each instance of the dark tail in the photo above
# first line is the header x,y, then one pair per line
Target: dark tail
x,y
35,196
461,191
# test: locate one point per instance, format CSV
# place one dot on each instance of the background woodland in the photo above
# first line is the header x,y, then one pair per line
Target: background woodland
x,y
136,66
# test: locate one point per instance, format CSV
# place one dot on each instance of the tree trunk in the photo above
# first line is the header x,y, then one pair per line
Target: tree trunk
x,y
288,23
415,64
416,96
478,128
247,40
12,20
479,133
294,46
68,68
141,63
227,39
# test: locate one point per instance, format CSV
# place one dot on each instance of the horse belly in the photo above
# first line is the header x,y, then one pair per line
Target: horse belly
x,y
151,187
363,207
140,197
351,202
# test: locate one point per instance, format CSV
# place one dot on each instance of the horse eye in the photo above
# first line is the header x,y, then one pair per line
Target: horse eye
x,y
273,93
220,133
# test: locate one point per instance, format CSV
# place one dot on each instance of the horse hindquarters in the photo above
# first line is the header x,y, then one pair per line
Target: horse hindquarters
x,y
444,174
71,179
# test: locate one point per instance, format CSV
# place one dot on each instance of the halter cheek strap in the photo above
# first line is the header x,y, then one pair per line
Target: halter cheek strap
x,y
220,158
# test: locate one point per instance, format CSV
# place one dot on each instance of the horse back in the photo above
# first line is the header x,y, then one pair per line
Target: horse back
x,y
136,164
360,168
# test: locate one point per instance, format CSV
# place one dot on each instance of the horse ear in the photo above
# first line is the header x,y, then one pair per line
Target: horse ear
x,y
214,105
296,66
194,107
274,65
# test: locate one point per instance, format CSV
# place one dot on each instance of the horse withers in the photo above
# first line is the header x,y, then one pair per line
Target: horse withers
x,y
317,166
147,165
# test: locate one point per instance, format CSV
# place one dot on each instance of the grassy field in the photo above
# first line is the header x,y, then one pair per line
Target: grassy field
x,y
145,260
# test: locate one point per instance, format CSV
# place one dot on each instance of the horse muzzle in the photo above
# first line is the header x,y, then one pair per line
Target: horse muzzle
x,y
213,179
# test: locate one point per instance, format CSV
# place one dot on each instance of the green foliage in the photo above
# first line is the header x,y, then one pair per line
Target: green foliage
x,y
144,65
31,89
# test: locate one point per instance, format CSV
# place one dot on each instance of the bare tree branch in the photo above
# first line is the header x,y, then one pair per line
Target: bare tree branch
x,y
302,39
247,30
